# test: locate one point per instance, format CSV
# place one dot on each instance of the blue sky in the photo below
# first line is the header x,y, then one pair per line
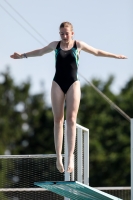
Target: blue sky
x,y
105,25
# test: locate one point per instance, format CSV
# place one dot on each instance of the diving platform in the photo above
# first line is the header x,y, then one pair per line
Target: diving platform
x,y
75,190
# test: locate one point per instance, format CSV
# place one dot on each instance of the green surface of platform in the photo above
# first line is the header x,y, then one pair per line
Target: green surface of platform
x,y
75,190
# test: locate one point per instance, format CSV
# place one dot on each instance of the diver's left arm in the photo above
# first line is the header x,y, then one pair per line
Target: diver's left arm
x,y
97,52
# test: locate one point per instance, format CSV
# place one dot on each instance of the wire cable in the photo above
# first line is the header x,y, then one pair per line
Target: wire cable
x,y
107,99
21,25
26,21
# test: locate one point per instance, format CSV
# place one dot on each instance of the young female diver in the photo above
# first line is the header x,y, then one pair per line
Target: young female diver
x,y
66,86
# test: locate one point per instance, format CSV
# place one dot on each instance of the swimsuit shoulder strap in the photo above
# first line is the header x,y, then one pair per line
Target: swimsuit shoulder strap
x,y
75,45
58,45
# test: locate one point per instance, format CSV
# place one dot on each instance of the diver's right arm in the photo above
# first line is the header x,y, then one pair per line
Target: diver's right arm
x,y
38,52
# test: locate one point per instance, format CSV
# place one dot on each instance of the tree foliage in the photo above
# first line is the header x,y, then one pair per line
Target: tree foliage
x,y
26,123
109,133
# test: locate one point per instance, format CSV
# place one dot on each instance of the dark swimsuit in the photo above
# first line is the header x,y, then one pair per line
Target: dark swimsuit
x,y
66,67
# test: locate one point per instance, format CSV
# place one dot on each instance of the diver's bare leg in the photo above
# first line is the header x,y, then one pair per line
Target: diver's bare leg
x,y
58,97
72,106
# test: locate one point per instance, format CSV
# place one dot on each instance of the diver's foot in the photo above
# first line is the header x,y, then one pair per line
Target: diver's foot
x,y
59,164
70,167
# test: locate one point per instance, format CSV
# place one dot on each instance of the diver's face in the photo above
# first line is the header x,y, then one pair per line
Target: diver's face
x,y
66,34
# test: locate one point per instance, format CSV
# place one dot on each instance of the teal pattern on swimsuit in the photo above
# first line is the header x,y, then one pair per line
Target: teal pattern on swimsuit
x,y
76,55
56,53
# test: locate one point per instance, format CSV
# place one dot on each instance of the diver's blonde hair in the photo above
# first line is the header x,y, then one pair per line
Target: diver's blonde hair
x,y
66,24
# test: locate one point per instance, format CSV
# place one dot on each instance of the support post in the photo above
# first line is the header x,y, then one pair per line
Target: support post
x,y
79,155
131,158
67,175
86,157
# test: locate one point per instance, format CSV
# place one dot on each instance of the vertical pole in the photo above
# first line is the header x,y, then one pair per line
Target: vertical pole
x,y
72,174
86,157
79,155
67,175
131,158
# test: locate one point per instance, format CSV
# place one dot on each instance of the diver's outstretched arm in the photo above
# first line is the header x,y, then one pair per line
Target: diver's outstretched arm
x,y
97,52
38,52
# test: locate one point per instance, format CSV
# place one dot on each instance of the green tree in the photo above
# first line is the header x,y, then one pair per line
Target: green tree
x,y
39,138
109,133
26,123
10,119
